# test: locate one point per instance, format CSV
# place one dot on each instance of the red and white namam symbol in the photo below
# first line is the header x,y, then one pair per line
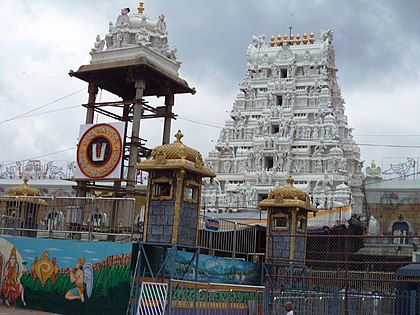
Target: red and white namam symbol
x,y
99,151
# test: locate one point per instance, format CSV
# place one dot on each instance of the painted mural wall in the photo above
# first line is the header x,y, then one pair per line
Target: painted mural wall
x,y
65,276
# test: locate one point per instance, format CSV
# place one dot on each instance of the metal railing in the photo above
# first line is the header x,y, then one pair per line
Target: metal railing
x,y
71,217
186,297
233,238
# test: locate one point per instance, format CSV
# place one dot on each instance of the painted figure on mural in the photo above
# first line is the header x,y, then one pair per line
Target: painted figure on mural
x,y
80,276
77,276
11,288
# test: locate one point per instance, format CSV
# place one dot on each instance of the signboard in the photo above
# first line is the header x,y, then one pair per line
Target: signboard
x,y
100,150
212,225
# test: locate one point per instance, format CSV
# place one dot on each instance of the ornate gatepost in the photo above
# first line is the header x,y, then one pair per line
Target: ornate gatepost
x,y
174,191
287,217
172,216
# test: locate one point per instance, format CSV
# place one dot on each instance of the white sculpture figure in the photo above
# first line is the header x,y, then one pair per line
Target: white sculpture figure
x,y
99,44
119,38
161,24
142,37
324,184
373,170
319,149
172,53
122,20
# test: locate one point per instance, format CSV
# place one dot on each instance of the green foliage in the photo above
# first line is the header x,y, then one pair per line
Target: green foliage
x,y
110,294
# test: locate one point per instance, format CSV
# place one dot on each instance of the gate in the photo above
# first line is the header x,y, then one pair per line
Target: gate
x,y
152,299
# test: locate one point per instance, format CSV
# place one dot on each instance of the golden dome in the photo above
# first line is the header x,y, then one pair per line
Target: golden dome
x,y
286,196
23,190
176,150
24,193
288,191
176,155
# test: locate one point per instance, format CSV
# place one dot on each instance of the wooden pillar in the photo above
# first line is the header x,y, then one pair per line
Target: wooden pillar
x,y
93,91
169,102
140,85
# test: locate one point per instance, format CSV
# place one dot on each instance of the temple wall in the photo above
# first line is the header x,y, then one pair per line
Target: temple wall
x,y
45,272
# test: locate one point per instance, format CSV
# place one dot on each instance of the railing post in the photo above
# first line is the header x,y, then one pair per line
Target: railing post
x,y
413,302
234,240
335,302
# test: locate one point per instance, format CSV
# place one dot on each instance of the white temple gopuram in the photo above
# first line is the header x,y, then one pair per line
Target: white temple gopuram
x,y
287,120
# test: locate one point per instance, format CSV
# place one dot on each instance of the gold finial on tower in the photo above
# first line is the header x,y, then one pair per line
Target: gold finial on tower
x,y
297,39
272,43
178,137
311,38
278,40
292,39
141,7
290,180
305,38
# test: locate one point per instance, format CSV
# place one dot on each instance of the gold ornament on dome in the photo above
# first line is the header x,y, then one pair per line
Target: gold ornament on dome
x,y
160,157
288,195
176,155
23,190
199,162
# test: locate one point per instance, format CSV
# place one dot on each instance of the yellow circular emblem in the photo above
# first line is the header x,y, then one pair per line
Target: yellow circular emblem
x,y
99,151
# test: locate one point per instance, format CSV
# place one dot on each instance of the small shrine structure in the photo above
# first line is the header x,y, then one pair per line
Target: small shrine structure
x,y
174,193
287,220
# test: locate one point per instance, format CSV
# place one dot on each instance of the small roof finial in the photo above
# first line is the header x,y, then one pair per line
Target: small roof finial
x,y
290,180
178,136
141,7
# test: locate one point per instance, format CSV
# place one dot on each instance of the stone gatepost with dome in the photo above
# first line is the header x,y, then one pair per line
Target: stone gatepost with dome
x,y
173,193
287,217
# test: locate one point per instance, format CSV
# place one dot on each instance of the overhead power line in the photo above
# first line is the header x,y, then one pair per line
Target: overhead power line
x,y
39,156
42,106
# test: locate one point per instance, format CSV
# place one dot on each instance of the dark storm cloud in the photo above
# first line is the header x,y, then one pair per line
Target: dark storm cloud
x,y
376,43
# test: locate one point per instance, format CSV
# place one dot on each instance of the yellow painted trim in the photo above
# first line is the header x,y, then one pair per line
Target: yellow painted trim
x,y
292,233
328,211
198,210
146,209
177,209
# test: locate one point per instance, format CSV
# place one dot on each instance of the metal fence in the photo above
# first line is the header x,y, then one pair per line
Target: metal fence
x,y
229,238
346,271
75,218
187,298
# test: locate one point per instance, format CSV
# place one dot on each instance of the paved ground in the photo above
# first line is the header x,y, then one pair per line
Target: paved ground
x,y
20,311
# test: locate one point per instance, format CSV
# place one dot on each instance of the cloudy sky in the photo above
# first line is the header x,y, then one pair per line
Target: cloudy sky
x,y
377,47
